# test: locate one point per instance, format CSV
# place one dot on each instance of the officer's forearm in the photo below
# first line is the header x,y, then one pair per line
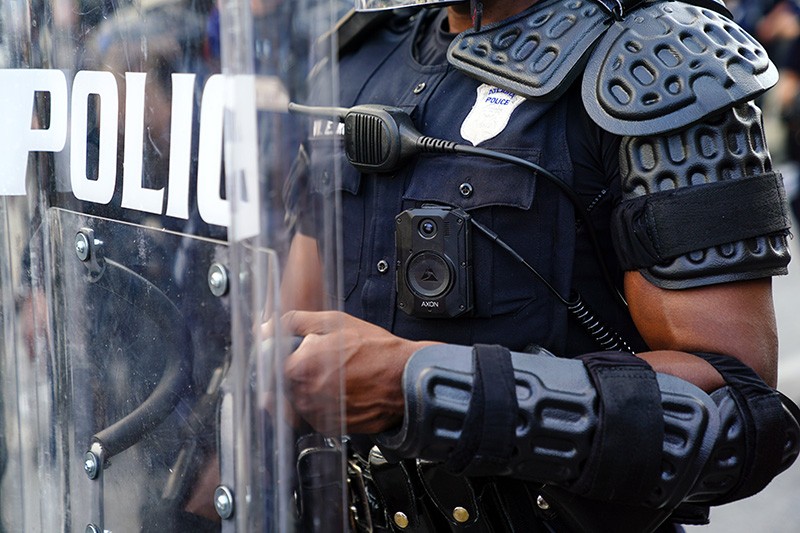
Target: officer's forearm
x,y
685,366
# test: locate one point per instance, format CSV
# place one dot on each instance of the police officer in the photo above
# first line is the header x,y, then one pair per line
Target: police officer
x,y
624,122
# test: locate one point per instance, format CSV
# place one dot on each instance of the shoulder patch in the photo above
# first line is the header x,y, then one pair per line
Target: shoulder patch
x,y
669,64
536,54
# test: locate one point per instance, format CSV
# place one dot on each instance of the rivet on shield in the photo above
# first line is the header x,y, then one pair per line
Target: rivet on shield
x,y
82,246
223,502
218,279
91,465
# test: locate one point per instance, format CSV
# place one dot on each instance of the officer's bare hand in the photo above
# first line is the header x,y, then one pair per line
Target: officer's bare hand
x,y
339,348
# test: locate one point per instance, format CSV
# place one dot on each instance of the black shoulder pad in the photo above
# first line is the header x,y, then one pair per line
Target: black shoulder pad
x,y
702,206
668,64
536,54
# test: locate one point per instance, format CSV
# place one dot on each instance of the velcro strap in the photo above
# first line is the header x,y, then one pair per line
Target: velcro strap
x,y
487,438
763,420
625,462
654,228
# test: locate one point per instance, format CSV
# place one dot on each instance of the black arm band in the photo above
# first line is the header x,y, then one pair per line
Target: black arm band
x,y
654,228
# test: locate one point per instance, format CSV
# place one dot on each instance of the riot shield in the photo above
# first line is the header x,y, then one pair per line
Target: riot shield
x,y
152,189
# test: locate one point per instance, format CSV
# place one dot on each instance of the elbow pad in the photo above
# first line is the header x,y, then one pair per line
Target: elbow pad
x,y
759,437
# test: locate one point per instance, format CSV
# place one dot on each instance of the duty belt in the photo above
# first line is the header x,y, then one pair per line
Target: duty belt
x,y
412,496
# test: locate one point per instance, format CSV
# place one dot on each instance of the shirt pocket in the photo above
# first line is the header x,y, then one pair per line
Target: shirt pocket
x,y
500,196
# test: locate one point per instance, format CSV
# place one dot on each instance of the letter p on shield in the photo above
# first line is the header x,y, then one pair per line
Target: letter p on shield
x,y
19,136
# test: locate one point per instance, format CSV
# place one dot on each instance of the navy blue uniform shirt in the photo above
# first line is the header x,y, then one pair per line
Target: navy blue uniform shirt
x,y
405,66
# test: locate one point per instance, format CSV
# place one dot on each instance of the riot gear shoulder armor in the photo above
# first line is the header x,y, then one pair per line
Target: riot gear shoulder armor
x,y
679,191
676,79
657,67
512,54
668,64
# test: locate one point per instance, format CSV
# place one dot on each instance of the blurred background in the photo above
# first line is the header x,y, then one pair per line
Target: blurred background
x,y
777,26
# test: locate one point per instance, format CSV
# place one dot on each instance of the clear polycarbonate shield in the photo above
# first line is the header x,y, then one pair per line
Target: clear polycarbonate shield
x,y
284,243
152,199
380,5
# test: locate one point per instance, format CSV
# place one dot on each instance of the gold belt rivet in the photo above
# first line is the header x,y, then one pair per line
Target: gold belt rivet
x,y
460,514
401,520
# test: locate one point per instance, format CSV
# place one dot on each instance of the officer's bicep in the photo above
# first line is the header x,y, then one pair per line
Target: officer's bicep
x,y
735,318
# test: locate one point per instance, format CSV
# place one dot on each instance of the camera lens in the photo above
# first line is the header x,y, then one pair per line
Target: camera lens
x,y
427,228
428,275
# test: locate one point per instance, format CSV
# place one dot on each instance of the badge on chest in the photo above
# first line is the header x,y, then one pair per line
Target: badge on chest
x,y
490,114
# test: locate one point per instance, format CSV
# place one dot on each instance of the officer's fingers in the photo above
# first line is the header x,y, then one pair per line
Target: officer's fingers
x,y
276,403
303,367
304,323
268,329
311,378
297,380
295,364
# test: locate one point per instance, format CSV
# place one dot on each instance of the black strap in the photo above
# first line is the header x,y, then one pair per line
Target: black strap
x,y
448,491
625,462
651,229
763,420
487,437
621,8
397,492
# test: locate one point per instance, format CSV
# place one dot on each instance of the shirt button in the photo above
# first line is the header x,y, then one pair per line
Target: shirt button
x,y
419,88
383,266
466,189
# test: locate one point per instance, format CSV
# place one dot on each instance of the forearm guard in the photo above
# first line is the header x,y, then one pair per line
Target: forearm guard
x,y
604,428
